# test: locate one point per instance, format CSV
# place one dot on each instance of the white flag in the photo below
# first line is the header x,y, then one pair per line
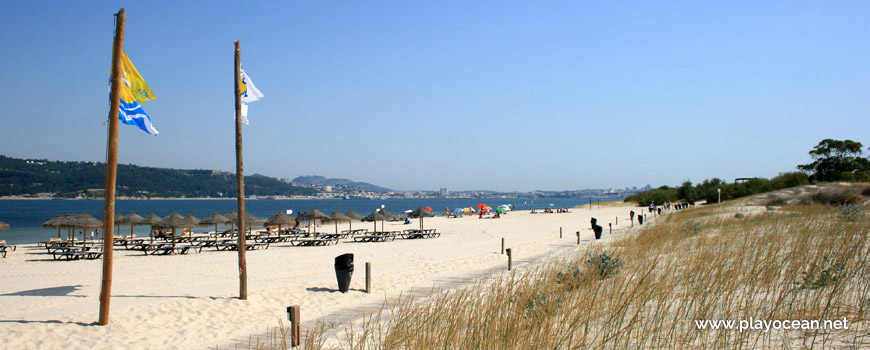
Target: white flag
x,y
249,94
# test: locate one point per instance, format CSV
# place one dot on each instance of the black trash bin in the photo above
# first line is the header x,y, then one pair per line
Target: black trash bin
x,y
598,230
344,271
640,219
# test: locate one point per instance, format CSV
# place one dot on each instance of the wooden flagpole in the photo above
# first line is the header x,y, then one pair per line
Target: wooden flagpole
x,y
111,169
240,181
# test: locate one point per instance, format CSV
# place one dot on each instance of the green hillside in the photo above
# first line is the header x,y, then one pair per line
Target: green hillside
x,y
71,179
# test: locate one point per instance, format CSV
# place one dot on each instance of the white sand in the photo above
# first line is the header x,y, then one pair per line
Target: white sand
x,y
190,301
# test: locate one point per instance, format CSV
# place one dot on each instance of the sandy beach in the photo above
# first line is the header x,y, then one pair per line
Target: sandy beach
x,y
189,301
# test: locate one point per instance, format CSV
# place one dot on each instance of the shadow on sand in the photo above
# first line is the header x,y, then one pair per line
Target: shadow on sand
x,y
331,290
63,291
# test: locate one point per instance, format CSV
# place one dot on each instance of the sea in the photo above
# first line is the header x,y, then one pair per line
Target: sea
x,y
25,217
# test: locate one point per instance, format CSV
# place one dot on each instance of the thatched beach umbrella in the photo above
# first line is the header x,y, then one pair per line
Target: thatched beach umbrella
x,y
191,221
174,221
3,226
280,219
133,219
83,221
214,219
336,217
353,216
252,220
421,213
375,216
314,215
153,220
55,222
234,218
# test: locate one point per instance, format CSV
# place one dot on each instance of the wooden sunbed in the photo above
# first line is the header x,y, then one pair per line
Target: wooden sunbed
x,y
4,247
377,237
77,252
233,245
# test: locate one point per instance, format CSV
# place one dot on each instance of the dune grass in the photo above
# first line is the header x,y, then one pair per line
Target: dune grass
x,y
647,289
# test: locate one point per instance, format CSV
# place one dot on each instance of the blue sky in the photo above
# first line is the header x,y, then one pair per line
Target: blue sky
x,y
498,95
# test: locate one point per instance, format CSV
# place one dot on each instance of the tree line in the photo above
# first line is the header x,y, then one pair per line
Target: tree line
x,y
74,179
833,160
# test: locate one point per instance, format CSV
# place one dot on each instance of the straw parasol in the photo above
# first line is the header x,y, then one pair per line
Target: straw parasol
x,y
353,216
314,215
252,220
375,216
336,217
3,226
233,218
55,222
421,213
83,221
280,219
153,220
133,219
174,221
214,219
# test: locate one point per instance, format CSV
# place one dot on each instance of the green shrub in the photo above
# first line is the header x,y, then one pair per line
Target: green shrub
x,y
604,265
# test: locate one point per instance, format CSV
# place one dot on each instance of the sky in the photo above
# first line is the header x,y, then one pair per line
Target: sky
x,y
464,95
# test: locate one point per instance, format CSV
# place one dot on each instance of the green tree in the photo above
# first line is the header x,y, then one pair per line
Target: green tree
x,y
836,160
686,190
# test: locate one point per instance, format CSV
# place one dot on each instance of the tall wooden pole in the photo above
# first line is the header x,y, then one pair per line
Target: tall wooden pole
x,y
240,180
111,168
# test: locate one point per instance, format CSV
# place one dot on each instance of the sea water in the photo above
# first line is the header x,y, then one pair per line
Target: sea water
x,y
26,216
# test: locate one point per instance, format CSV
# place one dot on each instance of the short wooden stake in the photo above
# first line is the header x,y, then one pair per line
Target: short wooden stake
x,y
295,325
611,228
617,221
502,245
509,258
578,237
560,233
368,277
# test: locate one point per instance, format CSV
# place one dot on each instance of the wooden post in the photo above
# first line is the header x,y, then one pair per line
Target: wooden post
x,y
111,169
502,245
617,221
240,180
295,326
560,233
578,237
368,277
611,228
509,258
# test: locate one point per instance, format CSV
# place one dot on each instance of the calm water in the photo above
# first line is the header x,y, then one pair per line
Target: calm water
x,y
26,216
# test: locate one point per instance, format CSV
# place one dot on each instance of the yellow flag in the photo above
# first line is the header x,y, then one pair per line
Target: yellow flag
x,y
138,89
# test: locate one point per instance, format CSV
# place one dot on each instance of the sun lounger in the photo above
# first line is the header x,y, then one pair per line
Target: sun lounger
x,y
76,252
4,247
233,245
377,237
49,241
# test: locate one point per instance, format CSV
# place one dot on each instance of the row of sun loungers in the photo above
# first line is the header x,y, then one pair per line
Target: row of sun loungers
x,y
222,241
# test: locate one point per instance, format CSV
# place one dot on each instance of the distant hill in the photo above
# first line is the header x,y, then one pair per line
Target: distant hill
x,y
70,179
322,181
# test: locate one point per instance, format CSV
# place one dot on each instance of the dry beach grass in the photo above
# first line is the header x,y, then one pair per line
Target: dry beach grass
x,y
728,262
